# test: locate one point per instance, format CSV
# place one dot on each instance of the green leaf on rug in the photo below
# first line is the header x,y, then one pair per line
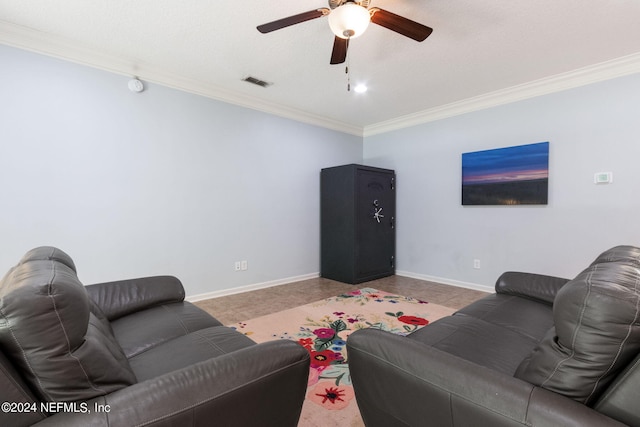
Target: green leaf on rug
x,y
338,326
323,343
396,314
377,325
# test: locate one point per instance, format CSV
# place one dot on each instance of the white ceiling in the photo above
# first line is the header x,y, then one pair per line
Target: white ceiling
x,y
481,53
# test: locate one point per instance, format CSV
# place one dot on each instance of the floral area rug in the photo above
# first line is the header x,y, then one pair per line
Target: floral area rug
x,y
323,328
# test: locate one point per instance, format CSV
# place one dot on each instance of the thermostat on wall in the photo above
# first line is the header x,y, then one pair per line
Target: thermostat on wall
x,y
603,178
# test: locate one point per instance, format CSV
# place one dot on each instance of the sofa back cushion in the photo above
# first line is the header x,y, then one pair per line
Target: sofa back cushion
x,y
65,351
596,329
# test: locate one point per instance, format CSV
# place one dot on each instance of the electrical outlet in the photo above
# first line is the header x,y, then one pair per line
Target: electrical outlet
x,y
243,265
238,266
476,263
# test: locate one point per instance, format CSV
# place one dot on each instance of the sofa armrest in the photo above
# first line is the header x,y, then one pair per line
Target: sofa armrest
x,y
529,285
262,384
117,299
399,381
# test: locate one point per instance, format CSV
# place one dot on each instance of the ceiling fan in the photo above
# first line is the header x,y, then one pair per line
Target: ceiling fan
x,y
349,19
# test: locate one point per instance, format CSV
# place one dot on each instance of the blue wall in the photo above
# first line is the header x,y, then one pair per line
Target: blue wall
x,y
161,182
590,129
166,182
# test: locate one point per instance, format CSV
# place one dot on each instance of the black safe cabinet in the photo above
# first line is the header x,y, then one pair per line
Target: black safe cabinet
x,y
357,223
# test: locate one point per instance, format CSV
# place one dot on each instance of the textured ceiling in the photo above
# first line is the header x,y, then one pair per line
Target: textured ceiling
x,y
208,47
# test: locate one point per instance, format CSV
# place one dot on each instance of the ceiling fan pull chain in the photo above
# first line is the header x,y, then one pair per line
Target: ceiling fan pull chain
x,y
346,68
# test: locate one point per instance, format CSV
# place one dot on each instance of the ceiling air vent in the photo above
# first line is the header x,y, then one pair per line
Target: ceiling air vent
x,y
255,81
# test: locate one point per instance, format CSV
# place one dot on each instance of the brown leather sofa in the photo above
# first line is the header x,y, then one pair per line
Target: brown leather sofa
x,y
541,351
132,353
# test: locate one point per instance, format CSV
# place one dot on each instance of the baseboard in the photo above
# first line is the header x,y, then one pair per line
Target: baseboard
x,y
278,282
445,281
252,287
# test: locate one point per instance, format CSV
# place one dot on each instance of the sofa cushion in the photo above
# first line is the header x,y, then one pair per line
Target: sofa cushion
x,y
202,345
514,313
65,351
597,330
143,330
477,341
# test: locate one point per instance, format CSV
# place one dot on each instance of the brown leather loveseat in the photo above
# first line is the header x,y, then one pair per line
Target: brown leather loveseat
x,y
132,353
541,351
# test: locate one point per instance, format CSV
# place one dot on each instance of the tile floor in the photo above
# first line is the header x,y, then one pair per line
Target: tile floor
x,y
248,305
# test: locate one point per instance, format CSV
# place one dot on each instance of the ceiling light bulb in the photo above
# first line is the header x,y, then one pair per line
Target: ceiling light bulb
x,y
361,88
349,20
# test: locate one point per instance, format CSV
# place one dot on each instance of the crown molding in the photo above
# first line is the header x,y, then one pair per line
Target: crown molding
x,y
36,41
618,67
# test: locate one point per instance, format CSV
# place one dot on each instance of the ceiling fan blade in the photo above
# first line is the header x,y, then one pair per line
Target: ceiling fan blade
x,y
292,20
339,52
399,24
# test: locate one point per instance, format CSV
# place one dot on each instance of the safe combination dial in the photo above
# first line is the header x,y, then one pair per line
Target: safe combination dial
x,y
377,211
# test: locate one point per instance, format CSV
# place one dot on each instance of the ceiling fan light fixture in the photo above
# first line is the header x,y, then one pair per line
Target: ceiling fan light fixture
x,y
360,88
349,20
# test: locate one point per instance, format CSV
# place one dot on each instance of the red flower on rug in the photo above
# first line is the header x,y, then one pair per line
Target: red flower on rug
x,y
413,320
331,397
323,358
306,343
324,333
